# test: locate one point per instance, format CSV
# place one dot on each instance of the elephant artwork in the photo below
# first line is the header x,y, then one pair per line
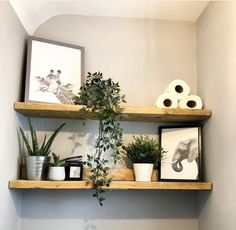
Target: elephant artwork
x,y
187,149
182,160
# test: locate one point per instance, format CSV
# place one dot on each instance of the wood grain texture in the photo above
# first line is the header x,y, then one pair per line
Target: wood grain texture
x,y
120,174
119,185
131,113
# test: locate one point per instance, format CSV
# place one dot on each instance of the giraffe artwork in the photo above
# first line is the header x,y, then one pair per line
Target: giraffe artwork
x,y
54,71
52,84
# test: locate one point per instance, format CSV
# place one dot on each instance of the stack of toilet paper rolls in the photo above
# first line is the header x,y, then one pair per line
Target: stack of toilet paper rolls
x,y
177,95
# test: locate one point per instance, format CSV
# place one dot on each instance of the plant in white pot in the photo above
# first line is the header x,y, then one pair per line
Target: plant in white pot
x,y
144,153
57,169
37,161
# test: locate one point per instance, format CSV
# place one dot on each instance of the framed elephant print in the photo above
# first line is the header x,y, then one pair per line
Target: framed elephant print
x,y
54,71
182,160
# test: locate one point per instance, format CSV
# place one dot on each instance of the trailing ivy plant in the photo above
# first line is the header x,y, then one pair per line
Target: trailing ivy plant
x,y
103,97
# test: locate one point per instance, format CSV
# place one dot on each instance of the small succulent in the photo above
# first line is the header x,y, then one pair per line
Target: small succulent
x,y
144,150
34,149
57,161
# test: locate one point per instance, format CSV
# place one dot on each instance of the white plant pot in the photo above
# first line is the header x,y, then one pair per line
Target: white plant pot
x,y
143,171
56,173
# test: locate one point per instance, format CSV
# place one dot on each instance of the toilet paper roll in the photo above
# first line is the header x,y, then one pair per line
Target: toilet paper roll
x,y
191,102
167,100
178,88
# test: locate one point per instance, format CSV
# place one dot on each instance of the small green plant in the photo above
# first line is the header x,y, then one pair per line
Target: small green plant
x,y
144,150
34,149
103,97
57,162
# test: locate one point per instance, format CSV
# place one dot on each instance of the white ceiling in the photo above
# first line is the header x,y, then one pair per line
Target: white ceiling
x,y
32,13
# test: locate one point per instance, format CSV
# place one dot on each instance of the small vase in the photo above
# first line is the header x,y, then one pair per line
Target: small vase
x,y
143,171
56,173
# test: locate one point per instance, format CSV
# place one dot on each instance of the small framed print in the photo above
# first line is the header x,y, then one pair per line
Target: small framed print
x,y
182,161
54,71
74,170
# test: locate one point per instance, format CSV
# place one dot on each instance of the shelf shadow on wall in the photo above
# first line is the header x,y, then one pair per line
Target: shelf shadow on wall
x,y
131,204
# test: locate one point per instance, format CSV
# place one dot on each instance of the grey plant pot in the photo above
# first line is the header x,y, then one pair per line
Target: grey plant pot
x,y
37,167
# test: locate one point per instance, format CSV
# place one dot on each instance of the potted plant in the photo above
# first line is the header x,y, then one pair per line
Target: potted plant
x,y
37,161
144,153
103,97
57,169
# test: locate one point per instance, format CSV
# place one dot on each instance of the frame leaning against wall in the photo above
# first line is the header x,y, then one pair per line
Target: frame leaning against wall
x,y
55,71
183,160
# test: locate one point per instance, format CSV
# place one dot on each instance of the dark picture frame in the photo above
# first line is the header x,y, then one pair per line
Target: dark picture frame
x,y
55,71
183,159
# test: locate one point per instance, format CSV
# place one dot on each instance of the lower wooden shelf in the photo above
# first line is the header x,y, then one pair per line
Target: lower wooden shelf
x,y
119,185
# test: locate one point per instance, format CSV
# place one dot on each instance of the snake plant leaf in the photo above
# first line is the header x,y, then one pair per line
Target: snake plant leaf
x,y
33,138
42,146
26,142
36,143
50,140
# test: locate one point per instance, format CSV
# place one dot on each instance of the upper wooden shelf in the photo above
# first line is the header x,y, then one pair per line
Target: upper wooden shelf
x,y
131,113
119,185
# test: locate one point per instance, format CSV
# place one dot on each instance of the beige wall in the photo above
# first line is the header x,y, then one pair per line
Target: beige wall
x,y
12,41
143,55
216,48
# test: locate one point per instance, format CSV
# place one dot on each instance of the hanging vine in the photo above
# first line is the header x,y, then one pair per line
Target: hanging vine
x,y
103,97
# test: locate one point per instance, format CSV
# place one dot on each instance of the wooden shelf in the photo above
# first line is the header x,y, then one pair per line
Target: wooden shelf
x,y
131,113
119,185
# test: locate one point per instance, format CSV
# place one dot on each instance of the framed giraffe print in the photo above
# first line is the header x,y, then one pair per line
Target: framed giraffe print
x,y
182,161
54,71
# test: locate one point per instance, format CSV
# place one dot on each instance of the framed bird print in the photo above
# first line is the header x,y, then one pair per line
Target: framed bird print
x,y
182,161
54,71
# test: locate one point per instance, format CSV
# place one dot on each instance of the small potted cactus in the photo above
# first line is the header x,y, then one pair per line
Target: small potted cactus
x,y
57,169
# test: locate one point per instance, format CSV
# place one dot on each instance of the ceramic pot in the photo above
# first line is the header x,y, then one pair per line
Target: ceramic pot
x,y
143,171
56,173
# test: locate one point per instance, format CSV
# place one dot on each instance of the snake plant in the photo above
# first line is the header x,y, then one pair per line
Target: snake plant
x,y
34,149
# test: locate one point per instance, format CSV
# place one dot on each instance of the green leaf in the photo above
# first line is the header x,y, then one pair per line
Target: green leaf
x,y
102,96
26,142
33,138
51,139
42,146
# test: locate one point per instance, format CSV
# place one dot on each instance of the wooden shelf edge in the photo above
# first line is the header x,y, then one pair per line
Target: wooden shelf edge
x,y
131,113
116,185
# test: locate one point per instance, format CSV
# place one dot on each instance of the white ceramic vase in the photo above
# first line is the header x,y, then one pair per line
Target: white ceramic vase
x,y
56,173
143,171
